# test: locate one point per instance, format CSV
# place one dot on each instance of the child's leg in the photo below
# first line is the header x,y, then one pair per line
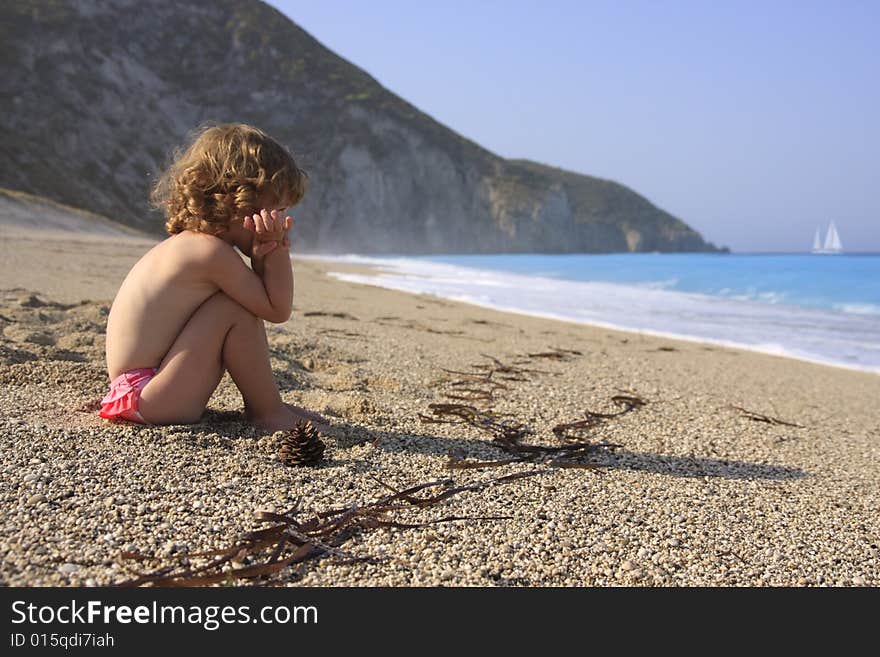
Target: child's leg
x,y
304,414
220,335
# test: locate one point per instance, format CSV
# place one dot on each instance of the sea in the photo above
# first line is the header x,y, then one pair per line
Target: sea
x,y
820,308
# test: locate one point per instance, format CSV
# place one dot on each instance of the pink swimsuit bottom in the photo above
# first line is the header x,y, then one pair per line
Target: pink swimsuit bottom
x,y
121,403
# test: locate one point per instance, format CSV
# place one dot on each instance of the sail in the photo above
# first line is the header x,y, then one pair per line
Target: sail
x,y
832,239
835,238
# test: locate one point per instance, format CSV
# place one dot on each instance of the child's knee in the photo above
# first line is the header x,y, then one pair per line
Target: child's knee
x,y
231,308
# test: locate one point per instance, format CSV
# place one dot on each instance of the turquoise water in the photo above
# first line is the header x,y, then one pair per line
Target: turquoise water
x,y
845,283
818,308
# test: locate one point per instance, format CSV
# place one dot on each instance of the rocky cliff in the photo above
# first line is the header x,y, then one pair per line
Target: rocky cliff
x,y
97,92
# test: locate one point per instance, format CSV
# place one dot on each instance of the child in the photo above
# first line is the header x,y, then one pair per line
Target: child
x,y
190,308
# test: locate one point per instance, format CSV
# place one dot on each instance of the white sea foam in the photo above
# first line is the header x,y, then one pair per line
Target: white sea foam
x,y
850,339
858,308
667,284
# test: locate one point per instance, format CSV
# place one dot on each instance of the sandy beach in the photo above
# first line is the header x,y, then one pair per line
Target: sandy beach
x,y
739,468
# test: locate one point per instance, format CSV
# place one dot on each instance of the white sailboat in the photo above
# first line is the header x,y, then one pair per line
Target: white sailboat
x,y
832,245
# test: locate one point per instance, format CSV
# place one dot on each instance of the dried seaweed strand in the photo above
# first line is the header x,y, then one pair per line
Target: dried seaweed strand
x,y
455,463
760,417
339,315
512,368
556,353
290,542
341,333
477,388
417,326
592,419
507,437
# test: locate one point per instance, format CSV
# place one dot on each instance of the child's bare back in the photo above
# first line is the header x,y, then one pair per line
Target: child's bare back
x,y
156,299
191,309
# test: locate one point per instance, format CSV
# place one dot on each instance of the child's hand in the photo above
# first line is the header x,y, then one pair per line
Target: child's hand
x,y
262,249
270,231
268,227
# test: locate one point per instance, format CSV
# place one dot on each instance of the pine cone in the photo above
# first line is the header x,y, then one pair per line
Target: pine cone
x,y
301,446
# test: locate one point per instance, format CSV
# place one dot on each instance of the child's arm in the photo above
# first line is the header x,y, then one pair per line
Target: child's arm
x,y
270,231
276,272
268,294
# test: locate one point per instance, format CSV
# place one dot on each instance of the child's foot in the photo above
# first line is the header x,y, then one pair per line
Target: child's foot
x,y
286,418
309,416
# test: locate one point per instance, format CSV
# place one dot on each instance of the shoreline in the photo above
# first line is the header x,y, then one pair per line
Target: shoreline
x,y
775,350
739,469
654,334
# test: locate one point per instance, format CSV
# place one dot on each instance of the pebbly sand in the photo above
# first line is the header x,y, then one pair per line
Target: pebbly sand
x,y
697,493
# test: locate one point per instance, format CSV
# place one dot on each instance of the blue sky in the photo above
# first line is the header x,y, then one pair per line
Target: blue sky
x,y
755,122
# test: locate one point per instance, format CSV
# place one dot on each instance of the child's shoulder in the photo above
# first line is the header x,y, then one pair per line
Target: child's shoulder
x,y
191,247
202,249
191,240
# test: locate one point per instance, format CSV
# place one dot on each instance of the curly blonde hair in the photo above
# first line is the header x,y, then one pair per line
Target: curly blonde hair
x,y
224,172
